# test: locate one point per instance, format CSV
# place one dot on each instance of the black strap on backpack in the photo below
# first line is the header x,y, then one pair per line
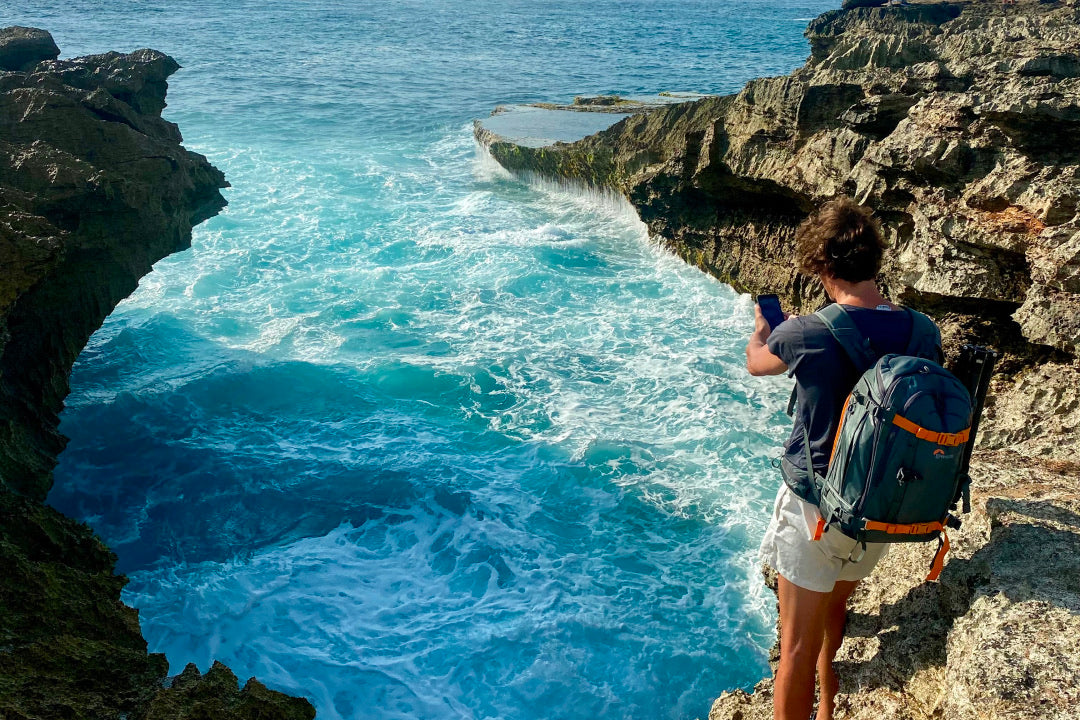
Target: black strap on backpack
x,y
856,346
847,333
925,340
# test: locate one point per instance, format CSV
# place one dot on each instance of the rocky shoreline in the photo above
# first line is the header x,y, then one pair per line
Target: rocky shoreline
x,y
95,188
957,122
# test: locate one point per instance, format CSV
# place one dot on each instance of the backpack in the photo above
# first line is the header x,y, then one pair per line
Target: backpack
x,y
896,465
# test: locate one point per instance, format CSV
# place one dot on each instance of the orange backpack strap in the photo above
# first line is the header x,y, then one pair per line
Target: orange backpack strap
x,y
840,428
919,529
939,557
940,438
894,529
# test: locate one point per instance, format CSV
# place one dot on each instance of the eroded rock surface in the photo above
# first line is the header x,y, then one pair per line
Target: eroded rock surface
x,y
94,189
956,121
21,48
996,637
217,694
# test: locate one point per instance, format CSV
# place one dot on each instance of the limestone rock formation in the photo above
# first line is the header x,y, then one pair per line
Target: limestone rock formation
x,y
217,694
94,189
996,637
21,48
956,121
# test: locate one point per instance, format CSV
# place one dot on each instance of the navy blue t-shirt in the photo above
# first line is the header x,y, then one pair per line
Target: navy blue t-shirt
x,y
824,375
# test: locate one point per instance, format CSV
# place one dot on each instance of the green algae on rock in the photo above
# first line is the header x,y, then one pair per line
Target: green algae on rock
x,y
68,646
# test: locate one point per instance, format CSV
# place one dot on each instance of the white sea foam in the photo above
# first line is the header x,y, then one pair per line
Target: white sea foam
x,y
486,167
431,441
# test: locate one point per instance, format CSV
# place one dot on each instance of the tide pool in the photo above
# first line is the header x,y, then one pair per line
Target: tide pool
x,y
403,434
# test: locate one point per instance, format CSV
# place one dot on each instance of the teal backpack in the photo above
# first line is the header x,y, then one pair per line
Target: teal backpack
x,y
896,465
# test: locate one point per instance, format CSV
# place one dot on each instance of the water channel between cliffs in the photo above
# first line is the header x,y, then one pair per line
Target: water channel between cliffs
x,y
407,436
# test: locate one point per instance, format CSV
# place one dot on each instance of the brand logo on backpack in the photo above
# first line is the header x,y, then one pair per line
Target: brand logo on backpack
x,y
939,454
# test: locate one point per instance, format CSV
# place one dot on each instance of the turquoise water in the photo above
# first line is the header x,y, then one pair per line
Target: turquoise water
x,y
400,433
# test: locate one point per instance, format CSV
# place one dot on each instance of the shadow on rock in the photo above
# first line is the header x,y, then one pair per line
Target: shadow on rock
x,y
989,630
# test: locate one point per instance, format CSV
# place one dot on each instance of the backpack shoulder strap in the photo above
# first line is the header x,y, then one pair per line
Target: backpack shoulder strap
x,y
925,339
846,332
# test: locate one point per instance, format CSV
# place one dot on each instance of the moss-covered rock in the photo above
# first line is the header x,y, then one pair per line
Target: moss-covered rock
x,y
217,696
68,646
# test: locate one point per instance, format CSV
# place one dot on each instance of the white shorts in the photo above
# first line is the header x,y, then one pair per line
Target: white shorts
x,y
789,547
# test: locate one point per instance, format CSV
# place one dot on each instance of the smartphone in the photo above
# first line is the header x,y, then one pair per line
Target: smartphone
x,y
770,310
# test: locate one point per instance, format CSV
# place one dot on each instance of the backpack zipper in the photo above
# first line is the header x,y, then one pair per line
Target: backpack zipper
x,y
872,469
850,452
898,504
912,399
858,508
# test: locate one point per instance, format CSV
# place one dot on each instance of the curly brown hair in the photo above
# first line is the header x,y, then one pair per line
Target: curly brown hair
x,y
841,240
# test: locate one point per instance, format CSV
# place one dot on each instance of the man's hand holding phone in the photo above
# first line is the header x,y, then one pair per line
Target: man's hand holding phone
x,y
768,306
767,315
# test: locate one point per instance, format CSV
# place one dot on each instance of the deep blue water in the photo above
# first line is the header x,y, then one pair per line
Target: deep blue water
x,y
400,433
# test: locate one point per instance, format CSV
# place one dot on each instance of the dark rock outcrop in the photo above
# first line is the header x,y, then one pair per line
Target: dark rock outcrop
x,y
21,48
957,122
217,695
94,189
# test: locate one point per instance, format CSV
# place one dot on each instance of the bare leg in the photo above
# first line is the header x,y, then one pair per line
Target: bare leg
x,y
802,632
835,617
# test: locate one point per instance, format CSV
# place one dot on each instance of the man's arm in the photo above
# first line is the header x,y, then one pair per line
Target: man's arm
x,y
759,359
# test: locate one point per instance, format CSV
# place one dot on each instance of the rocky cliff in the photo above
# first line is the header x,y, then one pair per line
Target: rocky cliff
x,y
95,188
958,123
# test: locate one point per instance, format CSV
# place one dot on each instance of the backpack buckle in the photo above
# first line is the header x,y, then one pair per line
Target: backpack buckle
x,y
861,548
904,476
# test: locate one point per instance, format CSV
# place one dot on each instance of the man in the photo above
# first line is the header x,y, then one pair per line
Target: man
x,y
842,245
